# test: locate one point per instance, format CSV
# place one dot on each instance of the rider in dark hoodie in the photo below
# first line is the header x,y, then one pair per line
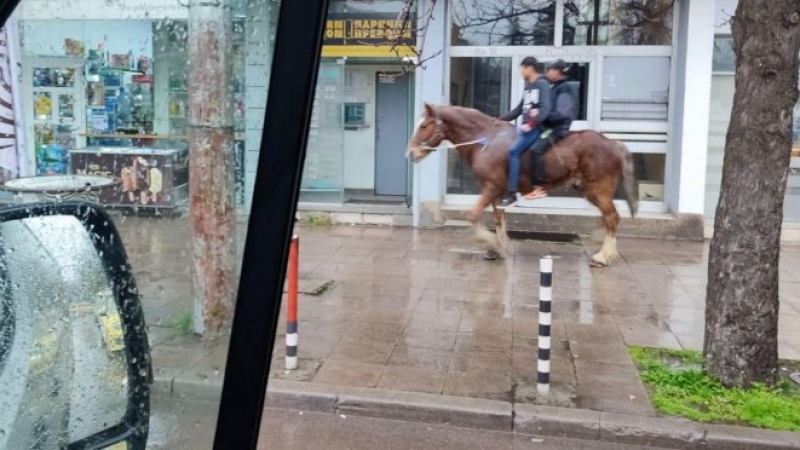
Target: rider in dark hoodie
x,y
565,109
532,111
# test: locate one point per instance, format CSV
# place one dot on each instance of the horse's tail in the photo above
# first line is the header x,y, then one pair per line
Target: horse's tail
x,y
629,180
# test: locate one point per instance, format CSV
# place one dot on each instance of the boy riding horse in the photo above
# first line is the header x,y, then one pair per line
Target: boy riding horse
x,y
546,118
557,124
532,111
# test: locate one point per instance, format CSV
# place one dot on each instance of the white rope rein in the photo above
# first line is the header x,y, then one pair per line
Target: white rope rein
x,y
463,144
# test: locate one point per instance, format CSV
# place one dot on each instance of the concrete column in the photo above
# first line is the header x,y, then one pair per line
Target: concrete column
x,y
430,175
212,205
693,57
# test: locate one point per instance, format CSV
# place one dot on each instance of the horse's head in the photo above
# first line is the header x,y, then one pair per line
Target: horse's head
x,y
428,135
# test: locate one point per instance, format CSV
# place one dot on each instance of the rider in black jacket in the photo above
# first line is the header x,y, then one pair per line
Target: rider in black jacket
x,y
564,111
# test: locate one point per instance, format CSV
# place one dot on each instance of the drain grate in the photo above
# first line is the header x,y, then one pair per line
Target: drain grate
x,y
544,236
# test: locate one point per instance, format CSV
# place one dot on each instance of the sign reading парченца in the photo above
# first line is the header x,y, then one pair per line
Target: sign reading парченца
x,y
368,35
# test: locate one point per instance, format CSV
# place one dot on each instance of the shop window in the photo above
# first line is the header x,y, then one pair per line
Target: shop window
x,y
483,84
503,22
635,89
723,87
724,58
618,22
355,114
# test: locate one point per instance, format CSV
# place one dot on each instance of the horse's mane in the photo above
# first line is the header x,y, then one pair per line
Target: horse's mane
x,y
470,115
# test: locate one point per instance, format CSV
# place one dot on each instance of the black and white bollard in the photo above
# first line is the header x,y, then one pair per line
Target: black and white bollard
x,y
545,322
291,307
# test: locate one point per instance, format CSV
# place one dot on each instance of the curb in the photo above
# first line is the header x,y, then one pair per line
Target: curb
x,y
495,415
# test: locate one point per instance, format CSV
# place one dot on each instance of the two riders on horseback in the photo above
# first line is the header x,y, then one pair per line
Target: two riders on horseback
x,y
544,116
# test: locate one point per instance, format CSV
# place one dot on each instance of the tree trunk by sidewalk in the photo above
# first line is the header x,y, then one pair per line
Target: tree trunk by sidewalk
x,y
211,165
741,334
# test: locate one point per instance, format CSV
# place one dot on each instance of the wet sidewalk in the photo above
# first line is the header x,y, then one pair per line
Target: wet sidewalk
x,y
420,311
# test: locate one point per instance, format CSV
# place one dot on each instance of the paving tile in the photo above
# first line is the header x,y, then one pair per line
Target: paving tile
x,y
495,386
362,351
590,372
413,379
649,336
383,315
611,353
375,332
349,374
440,339
439,321
475,362
421,357
623,399
480,341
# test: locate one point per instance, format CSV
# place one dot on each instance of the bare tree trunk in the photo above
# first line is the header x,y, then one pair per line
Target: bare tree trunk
x,y
741,336
211,164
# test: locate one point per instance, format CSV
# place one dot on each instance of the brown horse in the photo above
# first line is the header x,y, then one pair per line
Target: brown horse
x,y
594,163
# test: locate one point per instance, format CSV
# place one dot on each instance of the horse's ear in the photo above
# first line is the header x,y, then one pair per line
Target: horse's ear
x,y
429,110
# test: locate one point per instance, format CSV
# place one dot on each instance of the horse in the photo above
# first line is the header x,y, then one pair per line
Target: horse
x,y
593,163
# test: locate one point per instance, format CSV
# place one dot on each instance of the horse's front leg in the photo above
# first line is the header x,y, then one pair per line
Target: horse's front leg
x,y
483,235
500,230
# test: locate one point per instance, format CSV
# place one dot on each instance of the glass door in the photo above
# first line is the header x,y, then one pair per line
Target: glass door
x,y
323,172
56,110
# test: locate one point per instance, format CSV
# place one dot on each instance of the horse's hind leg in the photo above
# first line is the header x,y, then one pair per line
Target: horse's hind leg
x,y
611,219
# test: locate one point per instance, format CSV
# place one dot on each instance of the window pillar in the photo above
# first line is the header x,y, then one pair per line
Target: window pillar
x,y
692,85
429,175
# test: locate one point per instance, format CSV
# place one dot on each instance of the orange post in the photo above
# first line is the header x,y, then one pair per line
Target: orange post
x,y
291,306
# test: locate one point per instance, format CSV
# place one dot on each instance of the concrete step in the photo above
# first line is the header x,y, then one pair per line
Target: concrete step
x,y
584,222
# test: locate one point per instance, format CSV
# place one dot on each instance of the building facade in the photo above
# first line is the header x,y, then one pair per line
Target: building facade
x,y
656,74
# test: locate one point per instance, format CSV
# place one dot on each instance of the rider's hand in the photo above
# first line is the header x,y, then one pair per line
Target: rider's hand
x,y
526,128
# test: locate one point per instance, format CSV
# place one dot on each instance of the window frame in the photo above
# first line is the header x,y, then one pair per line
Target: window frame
x,y
644,137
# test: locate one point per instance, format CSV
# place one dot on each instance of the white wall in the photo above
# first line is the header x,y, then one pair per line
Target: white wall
x,y
430,174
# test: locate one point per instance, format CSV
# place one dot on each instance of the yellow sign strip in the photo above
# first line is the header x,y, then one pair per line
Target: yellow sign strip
x,y
366,51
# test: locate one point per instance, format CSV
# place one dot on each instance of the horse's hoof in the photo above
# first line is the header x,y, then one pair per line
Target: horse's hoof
x,y
491,255
597,264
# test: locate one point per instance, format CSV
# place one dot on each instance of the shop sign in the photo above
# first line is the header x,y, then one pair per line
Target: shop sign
x,y
369,35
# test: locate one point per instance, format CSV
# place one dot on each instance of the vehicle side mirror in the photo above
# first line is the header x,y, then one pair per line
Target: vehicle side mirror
x,y
74,356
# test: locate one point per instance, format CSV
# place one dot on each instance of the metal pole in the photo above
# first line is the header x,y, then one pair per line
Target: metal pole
x,y
291,306
545,320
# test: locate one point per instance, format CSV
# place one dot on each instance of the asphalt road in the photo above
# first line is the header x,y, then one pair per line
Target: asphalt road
x,y
181,424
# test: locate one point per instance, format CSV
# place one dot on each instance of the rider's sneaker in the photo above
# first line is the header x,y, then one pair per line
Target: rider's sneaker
x,y
508,200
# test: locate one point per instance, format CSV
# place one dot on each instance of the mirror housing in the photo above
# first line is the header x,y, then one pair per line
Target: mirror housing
x,y
124,333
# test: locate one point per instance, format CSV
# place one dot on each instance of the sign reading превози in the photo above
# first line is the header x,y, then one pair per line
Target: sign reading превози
x,y
368,35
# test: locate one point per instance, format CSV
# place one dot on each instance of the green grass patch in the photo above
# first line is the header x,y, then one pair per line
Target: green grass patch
x,y
679,387
318,220
183,323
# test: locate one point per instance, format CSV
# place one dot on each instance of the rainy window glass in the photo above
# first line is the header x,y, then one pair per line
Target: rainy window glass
x,y
503,22
618,22
154,109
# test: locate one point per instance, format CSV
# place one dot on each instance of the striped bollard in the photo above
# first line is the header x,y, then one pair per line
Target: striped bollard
x,y
545,320
291,307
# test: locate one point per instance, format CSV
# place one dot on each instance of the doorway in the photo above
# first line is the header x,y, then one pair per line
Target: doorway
x,y
391,134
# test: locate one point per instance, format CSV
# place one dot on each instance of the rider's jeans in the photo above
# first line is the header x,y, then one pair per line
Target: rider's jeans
x,y
520,145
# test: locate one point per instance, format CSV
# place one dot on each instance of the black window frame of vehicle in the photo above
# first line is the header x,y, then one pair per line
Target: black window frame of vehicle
x,y
293,77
